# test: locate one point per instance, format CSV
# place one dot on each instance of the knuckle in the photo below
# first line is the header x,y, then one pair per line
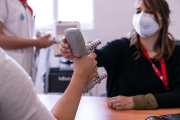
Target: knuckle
x,y
62,49
96,73
114,106
95,55
122,107
66,45
90,58
66,54
62,44
68,50
65,50
96,68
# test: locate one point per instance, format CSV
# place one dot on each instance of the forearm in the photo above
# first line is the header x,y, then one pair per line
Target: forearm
x,y
8,42
154,101
66,107
168,99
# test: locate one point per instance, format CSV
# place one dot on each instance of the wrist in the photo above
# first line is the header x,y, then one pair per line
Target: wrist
x,y
80,78
132,101
36,42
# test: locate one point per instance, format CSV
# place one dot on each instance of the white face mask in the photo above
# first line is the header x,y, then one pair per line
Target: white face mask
x,y
144,24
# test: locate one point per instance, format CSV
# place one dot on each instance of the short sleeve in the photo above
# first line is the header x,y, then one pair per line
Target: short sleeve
x,y
18,100
3,10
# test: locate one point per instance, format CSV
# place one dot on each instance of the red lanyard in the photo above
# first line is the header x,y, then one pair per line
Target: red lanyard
x,y
26,4
163,76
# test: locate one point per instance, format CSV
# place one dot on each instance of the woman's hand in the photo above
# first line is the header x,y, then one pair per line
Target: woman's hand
x,y
43,42
121,103
86,67
66,51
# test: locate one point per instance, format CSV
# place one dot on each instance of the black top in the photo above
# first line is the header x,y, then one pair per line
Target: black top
x,y
129,77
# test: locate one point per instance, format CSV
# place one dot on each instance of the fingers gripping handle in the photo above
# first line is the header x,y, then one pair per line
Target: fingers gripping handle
x,y
89,85
52,39
76,41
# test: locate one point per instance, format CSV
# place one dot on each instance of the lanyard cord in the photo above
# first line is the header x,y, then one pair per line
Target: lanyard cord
x,y
26,4
163,76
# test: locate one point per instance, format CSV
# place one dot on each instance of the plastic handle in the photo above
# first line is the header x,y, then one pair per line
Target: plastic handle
x,y
76,41
89,85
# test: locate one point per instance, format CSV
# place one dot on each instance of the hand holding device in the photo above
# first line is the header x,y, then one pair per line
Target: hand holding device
x,y
88,70
76,42
65,50
55,40
50,38
43,42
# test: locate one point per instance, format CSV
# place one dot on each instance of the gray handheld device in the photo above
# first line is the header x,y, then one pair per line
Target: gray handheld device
x,y
52,39
76,41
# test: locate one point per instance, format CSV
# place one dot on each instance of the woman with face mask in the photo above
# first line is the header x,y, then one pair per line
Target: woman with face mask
x,y
144,70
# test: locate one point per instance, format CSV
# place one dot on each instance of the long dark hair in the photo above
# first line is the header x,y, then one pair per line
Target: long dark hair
x,y
165,42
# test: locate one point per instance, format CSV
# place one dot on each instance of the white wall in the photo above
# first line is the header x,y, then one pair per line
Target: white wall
x,y
175,18
112,20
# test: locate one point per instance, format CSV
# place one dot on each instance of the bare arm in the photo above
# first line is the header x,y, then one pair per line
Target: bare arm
x,y
66,107
8,42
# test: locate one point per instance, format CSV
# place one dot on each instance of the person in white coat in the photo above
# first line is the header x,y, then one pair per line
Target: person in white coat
x,y
16,32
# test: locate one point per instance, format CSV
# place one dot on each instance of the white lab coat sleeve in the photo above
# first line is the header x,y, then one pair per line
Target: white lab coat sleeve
x,y
18,99
3,10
